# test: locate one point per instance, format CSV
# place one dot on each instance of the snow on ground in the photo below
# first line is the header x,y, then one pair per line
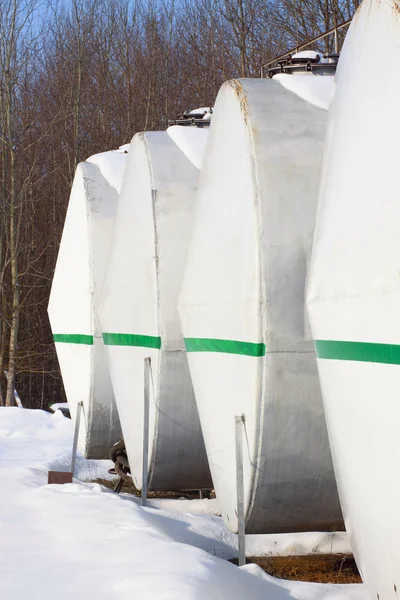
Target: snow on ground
x,y
62,406
82,541
59,406
310,591
315,89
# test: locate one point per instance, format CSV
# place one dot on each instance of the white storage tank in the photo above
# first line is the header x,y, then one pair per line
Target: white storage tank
x,y
354,291
191,140
242,308
139,314
72,309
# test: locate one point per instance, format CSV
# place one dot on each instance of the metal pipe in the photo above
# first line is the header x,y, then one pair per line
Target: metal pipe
x,y
146,410
119,485
239,426
76,433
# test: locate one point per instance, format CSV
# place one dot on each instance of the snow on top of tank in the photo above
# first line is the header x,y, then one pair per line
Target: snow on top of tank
x,y
316,90
112,165
191,141
204,110
197,111
310,54
122,149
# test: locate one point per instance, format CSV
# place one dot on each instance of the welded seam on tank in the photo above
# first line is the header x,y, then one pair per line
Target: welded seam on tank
x,y
358,351
257,450
132,339
78,338
73,338
156,390
225,346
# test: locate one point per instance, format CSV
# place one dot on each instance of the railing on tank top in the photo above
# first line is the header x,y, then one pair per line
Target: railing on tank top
x,y
283,61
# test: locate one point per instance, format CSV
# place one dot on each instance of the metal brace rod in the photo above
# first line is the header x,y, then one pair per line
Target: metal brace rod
x,y
76,433
239,428
146,416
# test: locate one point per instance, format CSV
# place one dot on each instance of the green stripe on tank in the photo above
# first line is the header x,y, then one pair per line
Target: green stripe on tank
x,y
73,338
225,346
358,351
132,339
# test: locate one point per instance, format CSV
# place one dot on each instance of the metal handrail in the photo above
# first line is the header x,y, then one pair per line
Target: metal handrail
x,y
296,49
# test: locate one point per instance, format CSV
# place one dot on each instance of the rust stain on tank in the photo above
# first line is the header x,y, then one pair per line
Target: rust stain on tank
x,y
239,91
394,4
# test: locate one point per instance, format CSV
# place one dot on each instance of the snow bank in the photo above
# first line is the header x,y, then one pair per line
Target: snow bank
x,y
82,541
59,406
317,90
309,591
42,441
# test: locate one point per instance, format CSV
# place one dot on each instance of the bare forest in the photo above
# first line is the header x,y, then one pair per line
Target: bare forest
x,y
81,77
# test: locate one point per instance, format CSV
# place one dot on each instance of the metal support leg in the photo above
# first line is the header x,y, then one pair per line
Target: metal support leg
x,y
145,468
119,485
239,427
76,433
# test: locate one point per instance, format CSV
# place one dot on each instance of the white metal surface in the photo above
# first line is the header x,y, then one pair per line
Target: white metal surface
x,y
112,165
73,300
315,89
354,291
139,315
191,140
243,293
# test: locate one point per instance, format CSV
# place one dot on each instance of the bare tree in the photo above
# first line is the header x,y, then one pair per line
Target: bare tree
x,y
299,21
17,41
81,77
